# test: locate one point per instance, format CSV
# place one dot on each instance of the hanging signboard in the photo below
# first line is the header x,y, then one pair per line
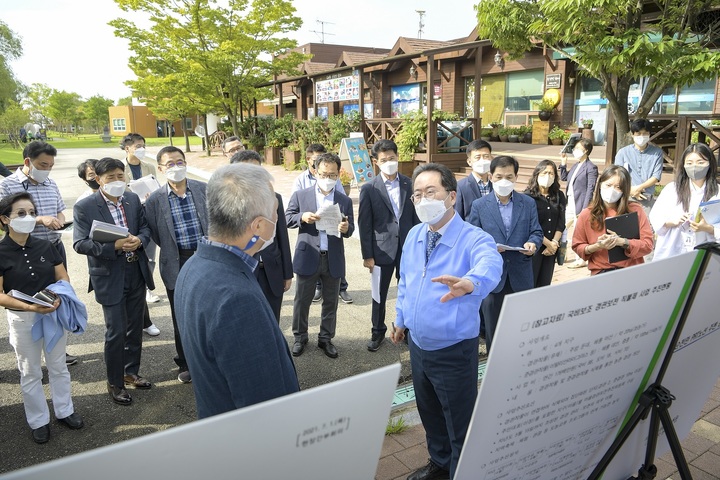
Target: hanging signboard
x,y
338,89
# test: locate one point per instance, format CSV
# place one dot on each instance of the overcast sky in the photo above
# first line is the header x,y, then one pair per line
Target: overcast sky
x,y
69,46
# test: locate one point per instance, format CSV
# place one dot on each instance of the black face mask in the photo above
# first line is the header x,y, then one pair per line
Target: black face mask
x,y
93,184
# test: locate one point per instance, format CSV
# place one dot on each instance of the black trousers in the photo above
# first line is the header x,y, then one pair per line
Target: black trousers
x,y
274,301
378,308
490,309
543,268
180,357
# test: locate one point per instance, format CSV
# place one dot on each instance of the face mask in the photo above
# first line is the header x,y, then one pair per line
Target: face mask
x,y
609,194
39,175
326,184
24,224
93,184
503,187
578,154
139,153
266,243
114,189
176,174
389,168
546,180
430,211
481,166
696,172
641,140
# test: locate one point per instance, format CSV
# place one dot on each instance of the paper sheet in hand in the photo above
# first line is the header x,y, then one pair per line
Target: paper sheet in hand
x,y
107,232
711,211
626,226
375,283
330,218
144,186
513,249
28,298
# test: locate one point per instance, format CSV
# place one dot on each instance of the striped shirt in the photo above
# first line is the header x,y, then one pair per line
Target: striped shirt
x,y
46,196
185,219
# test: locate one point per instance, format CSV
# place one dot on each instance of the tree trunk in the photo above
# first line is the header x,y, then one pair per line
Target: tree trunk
x,y
187,139
207,137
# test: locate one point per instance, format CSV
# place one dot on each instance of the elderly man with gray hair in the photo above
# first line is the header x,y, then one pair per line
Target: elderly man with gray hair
x,y
235,350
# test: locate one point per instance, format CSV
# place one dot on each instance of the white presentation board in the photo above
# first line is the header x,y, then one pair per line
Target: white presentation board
x,y
329,431
566,365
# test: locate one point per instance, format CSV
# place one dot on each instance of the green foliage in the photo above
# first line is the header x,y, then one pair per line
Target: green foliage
x,y
125,102
10,49
96,111
282,132
545,105
11,120
556,133
413,130
396,425
37,101
64,109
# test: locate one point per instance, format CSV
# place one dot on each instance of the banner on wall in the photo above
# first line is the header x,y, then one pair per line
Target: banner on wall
x,y
355,150
338,89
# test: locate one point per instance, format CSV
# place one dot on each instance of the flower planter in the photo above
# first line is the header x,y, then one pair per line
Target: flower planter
x,y
272,156
513,138
544,116
556,141
503,138
292,158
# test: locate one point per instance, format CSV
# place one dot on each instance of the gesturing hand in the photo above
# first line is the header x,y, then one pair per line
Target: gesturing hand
x,y
458,286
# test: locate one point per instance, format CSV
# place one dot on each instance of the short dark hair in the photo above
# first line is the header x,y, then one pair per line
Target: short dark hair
x,y
587,145
328,158
447,178
82,168
383,146
36,148
6,203
107,164
169,149
476,145
315,148
246,156
639,124
504,161
129,139
229,139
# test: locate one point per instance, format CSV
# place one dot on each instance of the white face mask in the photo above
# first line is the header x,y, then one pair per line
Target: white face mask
x,y
176,174
545,180
24,224
641,140
139,153
115,189
39,175
578,154
503,187
481,166
609,194
389,168
326,184
431,211
266,243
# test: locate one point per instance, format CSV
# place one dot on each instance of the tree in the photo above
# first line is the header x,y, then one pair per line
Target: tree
x,y
126,101
64,109
11,121
615,41
10,49
37,102
96,111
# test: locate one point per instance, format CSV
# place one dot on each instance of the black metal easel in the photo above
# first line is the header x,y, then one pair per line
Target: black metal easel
x,y
656,400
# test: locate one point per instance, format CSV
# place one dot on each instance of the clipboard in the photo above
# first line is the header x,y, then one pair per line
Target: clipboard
x,y
626,226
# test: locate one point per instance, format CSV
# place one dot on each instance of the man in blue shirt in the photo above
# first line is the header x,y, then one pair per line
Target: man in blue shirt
x,y
644,162
447,268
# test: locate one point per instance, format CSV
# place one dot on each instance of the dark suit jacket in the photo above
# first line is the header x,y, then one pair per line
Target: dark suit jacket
x,y
381,234
276,258
584,184
162,228
524,227
467,192
107,266
307,248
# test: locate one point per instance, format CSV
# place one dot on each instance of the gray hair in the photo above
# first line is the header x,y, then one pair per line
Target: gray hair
x,y
236,195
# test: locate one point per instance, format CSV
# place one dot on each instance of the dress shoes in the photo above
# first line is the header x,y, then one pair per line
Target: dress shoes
x,y
317,296
429,472
298,348
374,343
73,421
119,395
70,360
41,434
328,348
136,381
184,376
345,297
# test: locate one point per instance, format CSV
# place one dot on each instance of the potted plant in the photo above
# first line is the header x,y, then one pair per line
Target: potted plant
x,y
527,134
280,134
545,109
513,134
346,179
413,131
503,134
495,129
556,135
485,134
587,122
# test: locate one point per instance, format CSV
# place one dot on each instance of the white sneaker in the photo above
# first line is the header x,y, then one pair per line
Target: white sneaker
x,y
152,330
150,297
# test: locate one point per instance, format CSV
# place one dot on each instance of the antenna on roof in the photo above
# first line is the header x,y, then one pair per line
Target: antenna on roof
x,y
420,23
322,30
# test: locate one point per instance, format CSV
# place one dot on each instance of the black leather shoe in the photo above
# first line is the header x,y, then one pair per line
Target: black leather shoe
x,y
298,348
345,297
374,343
73,421
70,360
329,349
136,381
41,434
318,295
429,472
119,395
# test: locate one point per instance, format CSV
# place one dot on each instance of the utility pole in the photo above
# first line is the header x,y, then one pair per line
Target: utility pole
x,y
322,30
420,23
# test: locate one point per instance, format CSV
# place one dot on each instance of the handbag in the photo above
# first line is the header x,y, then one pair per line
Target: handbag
x,y
561,251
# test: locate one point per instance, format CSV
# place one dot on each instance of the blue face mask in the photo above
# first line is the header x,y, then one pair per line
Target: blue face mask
x,y
266,243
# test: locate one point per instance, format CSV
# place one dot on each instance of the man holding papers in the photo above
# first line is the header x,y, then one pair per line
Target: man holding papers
x,y
119,273
385,217
324,216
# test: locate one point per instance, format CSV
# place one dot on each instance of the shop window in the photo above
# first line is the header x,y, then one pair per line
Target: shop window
x,y
524,89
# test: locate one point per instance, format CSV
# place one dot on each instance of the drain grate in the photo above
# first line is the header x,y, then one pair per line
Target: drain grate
x,y
406,393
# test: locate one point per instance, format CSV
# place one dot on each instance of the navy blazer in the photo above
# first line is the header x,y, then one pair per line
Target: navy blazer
x,y
524,227
381,234
307,249
467,192
105,264
276,258
162,228
584,184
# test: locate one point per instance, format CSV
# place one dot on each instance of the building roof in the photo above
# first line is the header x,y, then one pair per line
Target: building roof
x,y
354,58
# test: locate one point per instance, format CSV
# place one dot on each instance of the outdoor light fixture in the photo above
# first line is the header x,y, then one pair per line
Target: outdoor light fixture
x,y
413,71
499,60
571,80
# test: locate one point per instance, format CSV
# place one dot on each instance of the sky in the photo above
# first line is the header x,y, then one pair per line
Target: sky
x,y
68,45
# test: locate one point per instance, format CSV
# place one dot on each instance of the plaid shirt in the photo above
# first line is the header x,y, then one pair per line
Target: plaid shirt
x,y
185,220
116,210
249,261
46,195
484,187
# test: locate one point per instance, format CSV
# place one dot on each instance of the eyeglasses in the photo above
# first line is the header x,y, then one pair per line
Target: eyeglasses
x,y
324,176
23,213
429,194
179,163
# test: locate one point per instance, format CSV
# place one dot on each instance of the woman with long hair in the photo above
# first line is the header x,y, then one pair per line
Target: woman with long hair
x,y
675,215
592,241
544,188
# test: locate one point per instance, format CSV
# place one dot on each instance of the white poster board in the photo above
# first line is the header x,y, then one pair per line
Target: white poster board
x,y
329,431
566,365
